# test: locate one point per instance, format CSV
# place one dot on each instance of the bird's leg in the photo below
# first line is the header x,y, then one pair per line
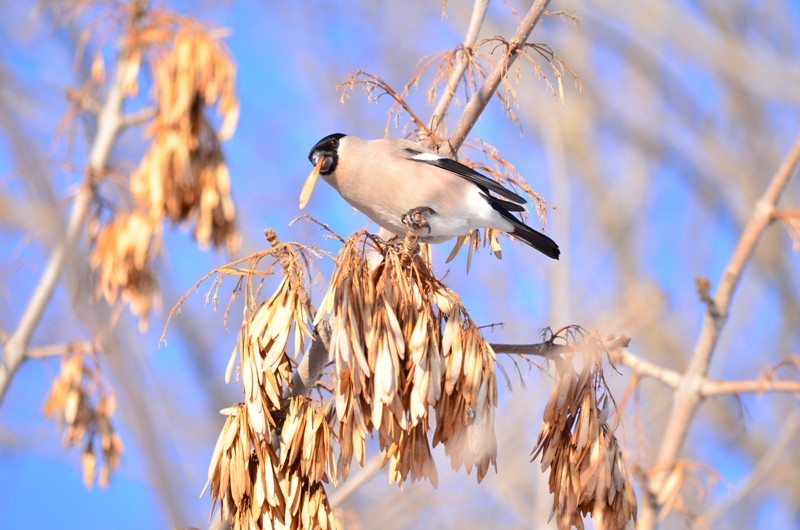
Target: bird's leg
x,y
416,221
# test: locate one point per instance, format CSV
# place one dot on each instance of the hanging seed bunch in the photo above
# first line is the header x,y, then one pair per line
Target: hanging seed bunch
x,y
81,400
264,367
184,175
268,327
123,254
307,460
404,346
274,452
257,488
588,475
244,474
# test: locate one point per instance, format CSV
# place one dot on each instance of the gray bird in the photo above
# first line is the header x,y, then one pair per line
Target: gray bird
x,y
387,179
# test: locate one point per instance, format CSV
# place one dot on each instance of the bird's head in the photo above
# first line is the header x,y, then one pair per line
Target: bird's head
x,y
327,152
324,155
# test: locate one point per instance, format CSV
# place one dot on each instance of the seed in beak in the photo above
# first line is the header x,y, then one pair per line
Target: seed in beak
x,y
311,181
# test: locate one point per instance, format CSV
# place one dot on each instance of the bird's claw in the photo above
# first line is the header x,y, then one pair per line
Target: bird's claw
x,y
415,219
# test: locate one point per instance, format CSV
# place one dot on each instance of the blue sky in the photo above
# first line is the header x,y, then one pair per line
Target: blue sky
x,y
289,57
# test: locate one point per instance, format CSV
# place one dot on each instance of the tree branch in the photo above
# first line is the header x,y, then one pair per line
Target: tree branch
x,y
551,349
644,368
689,393
755,386
137,118
108,126
481,98
43,352
615,347
475,22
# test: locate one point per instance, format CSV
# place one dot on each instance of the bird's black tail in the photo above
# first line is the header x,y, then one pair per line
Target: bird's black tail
x,y
523,232
537,240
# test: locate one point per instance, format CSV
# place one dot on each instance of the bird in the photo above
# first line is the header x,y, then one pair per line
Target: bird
x,y
388,179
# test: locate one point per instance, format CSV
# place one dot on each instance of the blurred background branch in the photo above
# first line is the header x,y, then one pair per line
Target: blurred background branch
x,y
689,393
109,121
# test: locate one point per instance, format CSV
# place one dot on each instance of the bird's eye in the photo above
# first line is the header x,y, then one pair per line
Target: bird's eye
x,y
335,142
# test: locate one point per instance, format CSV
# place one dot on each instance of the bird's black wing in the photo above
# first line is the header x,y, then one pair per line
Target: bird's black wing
x,y
482,181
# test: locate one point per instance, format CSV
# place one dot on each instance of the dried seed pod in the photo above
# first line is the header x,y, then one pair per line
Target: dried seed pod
x,y
273,452
306,442
265,368
184,175
123,256
82,402
256,488
403,345
588,475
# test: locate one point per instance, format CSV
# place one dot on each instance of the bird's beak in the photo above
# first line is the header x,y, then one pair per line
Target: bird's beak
x,y
311,181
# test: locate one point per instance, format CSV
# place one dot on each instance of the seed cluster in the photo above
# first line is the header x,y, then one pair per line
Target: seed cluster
x,y
404,347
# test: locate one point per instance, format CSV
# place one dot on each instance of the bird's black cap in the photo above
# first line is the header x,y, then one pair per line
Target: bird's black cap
x,y
329,148
327,145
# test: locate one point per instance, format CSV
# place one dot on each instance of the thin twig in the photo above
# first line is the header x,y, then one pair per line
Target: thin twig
x,y
689,394
108,126
481,98
550,349
755,386
137,118
644,368
475,22
43,352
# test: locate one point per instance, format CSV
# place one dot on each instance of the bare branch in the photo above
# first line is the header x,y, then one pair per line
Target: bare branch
x,y
689,394
671,378
42,352
615,346
550,349
138,118
755,386
108,126
645,368
481,98
475,22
